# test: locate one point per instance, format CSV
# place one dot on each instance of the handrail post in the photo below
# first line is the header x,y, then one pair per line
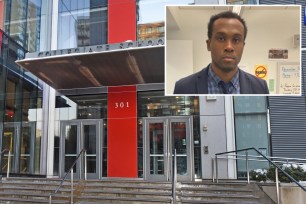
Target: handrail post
x,y
247,166
71,201
277,185
8,164
213,169
85,170
216,161
50,198
174,179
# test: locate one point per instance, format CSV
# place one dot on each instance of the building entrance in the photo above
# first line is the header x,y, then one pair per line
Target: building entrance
x,y
19,138
75,136
162,137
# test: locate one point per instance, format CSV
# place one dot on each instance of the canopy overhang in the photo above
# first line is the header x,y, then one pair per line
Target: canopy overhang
x,y
120,64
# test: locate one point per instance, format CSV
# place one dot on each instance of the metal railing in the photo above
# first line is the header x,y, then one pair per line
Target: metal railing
x,y
71,172
174,178
8,161
266,159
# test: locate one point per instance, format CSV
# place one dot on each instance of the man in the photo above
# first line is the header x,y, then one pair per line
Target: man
x,y
226,39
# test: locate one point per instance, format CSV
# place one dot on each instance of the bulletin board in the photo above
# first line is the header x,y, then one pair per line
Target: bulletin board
x,y
288,78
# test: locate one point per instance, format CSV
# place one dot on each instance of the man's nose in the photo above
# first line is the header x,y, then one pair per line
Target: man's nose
x,y
229,46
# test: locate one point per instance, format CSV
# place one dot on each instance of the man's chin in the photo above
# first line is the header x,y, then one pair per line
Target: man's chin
x,y
228,69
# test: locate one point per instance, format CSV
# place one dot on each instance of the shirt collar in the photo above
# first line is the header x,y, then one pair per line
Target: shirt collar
x,y
216,79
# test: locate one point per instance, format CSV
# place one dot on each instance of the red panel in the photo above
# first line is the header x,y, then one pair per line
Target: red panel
x,y
122,132
121,20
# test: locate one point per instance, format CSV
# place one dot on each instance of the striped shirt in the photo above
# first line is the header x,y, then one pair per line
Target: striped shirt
x,y
215,84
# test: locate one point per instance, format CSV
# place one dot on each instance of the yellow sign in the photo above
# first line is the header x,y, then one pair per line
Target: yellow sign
x,y
261,71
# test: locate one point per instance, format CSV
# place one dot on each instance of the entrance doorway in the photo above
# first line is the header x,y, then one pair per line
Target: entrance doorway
x,y
162,137
19,138
75,136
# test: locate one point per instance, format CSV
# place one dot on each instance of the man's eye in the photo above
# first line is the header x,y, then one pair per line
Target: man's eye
x,y
220,38
237,40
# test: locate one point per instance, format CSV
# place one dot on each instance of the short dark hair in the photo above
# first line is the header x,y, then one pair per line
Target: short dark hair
x,y
225,14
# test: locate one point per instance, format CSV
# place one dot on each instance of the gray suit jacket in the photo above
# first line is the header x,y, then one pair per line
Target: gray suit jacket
x,y
197,84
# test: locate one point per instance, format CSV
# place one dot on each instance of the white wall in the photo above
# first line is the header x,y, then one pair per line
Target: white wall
x,y
268,27
178,66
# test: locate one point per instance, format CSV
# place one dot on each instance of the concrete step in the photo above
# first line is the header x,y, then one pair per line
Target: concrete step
x,y
130,192
34,194
32,201
217,202
219,197
223,192
33,188
134,200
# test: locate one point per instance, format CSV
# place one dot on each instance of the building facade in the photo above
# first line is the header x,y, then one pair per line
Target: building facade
x,y
99,86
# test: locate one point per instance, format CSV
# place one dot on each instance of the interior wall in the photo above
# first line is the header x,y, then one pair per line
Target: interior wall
x,y
179,66
269,27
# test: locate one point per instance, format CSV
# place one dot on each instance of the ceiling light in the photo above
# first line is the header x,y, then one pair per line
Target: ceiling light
x,y
237,9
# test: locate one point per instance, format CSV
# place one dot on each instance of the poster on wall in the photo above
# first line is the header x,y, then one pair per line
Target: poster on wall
x,y
261,71
288,78
278,54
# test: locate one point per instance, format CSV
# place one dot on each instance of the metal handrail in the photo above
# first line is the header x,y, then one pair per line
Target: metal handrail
x,y
279,168
8,161
174,179
281,160
62,181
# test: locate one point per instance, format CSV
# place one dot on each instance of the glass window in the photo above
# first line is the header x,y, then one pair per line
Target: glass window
x,y
239,2
155,104
33,25
22,21
150,13
82,23
82,107
251,128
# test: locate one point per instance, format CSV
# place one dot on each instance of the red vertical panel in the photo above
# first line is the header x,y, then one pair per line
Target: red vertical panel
x,y
122,132
121,20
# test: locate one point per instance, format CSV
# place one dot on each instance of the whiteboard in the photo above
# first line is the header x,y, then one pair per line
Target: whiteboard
x,y
289,78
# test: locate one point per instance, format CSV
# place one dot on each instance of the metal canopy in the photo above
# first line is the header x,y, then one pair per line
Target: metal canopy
x,y
129,66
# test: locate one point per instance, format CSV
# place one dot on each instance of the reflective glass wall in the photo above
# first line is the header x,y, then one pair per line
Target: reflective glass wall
x,y
22,21
82,23
20,111
151,17
251,127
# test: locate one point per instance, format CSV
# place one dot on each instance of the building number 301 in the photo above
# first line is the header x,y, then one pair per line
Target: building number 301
x,y
122,105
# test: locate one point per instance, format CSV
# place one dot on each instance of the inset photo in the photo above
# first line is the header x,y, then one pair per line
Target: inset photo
x,y
233,50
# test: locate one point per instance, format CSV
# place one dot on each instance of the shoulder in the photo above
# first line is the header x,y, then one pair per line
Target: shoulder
x,y
251,77
188,84
258,86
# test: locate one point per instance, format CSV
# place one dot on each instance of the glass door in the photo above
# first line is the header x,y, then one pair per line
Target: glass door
x,y
162,137
19,138
9,132
75,136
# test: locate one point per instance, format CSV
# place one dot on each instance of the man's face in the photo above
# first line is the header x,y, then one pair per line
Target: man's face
x,y
226,44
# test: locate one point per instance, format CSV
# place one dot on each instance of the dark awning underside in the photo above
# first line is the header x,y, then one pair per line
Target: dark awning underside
x,y
139,65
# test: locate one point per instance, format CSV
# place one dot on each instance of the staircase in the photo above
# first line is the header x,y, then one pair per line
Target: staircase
x,y
223,192
33,190
106,191
125,191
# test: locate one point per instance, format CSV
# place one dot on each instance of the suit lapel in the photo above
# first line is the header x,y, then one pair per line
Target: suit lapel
x,y
202,82
245,85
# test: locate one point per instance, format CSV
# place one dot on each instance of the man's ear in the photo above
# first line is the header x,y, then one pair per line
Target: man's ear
x,y
208,45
